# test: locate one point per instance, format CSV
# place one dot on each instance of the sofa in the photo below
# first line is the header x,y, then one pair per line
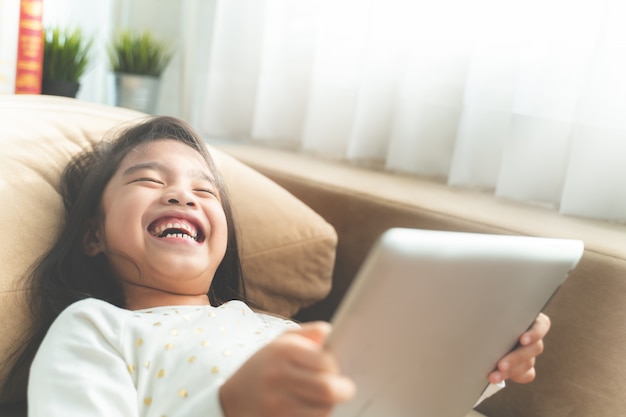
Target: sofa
x,y
305,226
582,372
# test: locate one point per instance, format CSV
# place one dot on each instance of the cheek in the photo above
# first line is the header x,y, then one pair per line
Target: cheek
x,y
117,226
219,230
120,223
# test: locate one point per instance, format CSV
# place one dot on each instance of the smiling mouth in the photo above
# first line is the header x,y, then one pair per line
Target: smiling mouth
x,y
176,229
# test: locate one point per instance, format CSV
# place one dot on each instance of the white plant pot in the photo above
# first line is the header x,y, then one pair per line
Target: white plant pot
x,y
137,92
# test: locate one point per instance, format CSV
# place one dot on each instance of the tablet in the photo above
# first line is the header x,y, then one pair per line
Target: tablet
x,y
430,313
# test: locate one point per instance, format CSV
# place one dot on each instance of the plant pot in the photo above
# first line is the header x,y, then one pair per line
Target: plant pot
x,y
137,92
59,87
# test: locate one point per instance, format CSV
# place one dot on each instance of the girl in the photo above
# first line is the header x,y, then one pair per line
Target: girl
x,y
140,307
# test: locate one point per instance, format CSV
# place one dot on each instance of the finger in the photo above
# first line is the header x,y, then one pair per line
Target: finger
x,y
315,371
524,377
340,388
517,362
319,388
344,388
522,373
521,377
538,331
303,352
316,331
520,355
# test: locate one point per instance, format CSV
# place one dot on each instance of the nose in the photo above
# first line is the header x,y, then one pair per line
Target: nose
x,y
175,201
179,197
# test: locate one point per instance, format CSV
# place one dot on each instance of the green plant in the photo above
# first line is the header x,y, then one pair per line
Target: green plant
x,y
65,54
139,54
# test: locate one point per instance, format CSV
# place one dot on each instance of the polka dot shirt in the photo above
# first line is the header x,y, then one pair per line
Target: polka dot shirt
x,y
100,360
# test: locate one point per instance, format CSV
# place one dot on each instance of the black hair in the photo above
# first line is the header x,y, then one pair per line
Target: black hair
x,y
65,274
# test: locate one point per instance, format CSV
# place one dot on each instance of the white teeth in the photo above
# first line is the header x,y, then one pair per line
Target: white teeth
x,y
178,235
181,226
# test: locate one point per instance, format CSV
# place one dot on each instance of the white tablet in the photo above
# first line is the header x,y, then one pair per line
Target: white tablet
x,y
430,313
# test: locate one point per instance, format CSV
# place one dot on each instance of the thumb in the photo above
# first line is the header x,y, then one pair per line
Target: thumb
x,y
316,331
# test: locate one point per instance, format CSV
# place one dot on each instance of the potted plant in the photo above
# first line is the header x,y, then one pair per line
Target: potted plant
x,y
138,60
65,60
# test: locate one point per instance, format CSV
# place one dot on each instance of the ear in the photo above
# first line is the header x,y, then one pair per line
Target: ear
x,y
93,244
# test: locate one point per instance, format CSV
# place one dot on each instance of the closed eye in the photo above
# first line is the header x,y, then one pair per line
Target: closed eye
x,y
147,179
206,190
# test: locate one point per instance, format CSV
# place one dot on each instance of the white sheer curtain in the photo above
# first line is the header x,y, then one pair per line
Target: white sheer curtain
x,y
525,98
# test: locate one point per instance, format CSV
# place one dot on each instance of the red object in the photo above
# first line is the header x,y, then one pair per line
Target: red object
x,y
29,48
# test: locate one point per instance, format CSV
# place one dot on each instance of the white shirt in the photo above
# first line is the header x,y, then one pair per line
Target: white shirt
x,y
101,360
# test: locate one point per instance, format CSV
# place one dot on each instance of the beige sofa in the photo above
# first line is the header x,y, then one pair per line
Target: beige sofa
x,y
582,372
339,211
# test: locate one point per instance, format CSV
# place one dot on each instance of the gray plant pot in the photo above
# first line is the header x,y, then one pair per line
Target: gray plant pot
x,y
59,87
137,92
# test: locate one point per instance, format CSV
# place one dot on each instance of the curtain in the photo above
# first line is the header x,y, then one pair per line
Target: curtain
x,y
9,28
525,99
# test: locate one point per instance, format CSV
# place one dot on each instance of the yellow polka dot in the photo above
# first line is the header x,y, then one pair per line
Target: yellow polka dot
x,y
212,314
227,353
199,330
191,359
205,343
169,346
147,401
139,342
157,324
182,393
174,332
215,370
222,329
161,373
131,368
147,364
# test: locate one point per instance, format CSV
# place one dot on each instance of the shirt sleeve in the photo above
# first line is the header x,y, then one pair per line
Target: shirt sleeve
x,y
78,369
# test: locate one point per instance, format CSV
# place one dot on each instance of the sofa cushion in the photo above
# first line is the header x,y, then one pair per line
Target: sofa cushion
x,y
287,249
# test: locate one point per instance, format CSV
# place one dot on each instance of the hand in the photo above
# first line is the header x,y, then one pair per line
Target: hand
x,y
519,365
292,376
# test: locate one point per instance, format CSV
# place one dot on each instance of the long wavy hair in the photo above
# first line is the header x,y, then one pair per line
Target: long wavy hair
x,y
65,274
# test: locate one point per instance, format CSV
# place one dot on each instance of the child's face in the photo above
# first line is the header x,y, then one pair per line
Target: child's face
x,y
163,216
